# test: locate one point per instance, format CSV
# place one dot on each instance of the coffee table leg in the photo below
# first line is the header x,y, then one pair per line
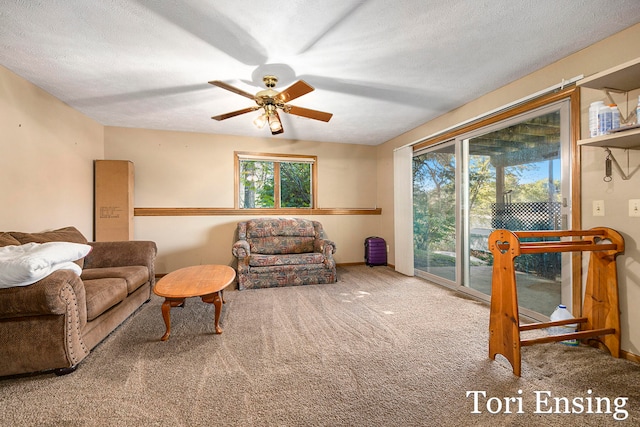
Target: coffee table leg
x,y
166,313
217,302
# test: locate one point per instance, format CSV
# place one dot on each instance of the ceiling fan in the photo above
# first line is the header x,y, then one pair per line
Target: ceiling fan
x,y
270,101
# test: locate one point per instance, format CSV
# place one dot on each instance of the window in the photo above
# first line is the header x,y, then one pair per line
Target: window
x,y
274,181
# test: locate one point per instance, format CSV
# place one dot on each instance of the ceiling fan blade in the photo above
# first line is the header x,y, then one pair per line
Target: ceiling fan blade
x,y
306,112
235,113
294,91
230,88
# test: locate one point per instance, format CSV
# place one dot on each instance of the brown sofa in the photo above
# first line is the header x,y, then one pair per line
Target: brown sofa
x,y
54,323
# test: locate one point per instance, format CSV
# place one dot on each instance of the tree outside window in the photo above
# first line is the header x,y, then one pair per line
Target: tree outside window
x,y
275,181
295,185
256,184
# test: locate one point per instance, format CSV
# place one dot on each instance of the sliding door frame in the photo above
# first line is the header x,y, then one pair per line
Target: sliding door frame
x,y
573,95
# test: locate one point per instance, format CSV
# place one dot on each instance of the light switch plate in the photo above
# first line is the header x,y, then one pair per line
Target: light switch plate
x,y
598,208
634,207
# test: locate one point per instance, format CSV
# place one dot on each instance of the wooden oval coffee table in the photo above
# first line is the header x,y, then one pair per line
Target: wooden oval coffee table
x,y
204,281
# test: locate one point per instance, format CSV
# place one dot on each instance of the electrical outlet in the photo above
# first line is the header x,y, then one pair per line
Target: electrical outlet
x,y
634,207
598,208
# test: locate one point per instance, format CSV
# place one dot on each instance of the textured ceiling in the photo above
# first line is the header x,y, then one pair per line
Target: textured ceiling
x,y
381,67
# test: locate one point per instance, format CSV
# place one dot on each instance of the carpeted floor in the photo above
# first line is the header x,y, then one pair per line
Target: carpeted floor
x,y
375,349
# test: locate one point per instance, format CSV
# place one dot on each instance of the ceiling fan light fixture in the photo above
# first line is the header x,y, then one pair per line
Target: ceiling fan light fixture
x,y
274,123
260,120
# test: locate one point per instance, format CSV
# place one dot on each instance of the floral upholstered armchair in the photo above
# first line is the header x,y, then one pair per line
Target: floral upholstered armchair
x,y
283,252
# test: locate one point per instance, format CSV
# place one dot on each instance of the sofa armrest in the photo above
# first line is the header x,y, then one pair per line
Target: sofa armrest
x,y
241,249
50,295
326,247
41,324
121,254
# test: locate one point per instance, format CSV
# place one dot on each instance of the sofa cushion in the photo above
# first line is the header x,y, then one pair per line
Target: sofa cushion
x,y
256,260
102,294
7,239
278,235
135,276
288,275
66,234
268,227
281,245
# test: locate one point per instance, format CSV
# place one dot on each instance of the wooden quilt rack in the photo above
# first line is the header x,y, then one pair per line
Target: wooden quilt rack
x,y
600,309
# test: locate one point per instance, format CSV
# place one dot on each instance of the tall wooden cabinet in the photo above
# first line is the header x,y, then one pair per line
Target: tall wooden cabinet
x,y
113,217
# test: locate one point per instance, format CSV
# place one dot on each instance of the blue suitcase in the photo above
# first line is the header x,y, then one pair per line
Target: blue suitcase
x,y
375,251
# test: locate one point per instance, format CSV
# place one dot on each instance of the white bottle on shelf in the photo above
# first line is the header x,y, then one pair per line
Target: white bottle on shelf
x,y
604,119
615,116
638,111
594,108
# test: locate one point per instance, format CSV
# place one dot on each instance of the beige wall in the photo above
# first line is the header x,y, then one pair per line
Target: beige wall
x,y
613,51
46,158
179,169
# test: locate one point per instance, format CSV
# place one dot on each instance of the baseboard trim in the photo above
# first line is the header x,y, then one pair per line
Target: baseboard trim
x,y
349,264
352,264
630,356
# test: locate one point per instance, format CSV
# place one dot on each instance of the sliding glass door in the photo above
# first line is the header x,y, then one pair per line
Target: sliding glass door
x,y
434,212
513,175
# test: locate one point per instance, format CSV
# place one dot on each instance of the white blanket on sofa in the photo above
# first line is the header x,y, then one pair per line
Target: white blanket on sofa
x,y
26,264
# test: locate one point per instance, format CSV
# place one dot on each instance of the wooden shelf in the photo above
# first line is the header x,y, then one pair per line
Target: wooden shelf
x,y
623,78
624,139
